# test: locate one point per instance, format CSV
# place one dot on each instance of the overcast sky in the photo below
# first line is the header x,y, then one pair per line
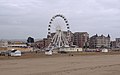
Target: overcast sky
x,y
20,19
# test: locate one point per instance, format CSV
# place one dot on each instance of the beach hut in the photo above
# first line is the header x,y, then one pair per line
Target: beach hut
x,y
15,53
105,50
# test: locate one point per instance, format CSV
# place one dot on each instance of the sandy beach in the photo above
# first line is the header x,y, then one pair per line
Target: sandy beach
x,y
67,65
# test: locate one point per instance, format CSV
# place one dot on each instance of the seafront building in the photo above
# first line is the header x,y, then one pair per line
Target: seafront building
x,y
115,44
78,39
44,43
118,42
99,41
9,45
3,43
81,39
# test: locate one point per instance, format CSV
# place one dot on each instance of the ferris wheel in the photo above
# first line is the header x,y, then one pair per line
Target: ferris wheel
x,y
58,32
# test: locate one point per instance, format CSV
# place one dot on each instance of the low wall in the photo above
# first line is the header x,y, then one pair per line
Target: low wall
x,y
71,49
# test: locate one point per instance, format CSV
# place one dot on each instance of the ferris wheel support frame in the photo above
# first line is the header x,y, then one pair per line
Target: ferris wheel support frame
x,y
59,39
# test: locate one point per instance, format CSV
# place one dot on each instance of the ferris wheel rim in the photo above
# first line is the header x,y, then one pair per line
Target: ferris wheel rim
x,y
52,20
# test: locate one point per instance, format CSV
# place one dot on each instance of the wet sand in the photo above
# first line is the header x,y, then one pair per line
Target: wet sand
x,y
67,65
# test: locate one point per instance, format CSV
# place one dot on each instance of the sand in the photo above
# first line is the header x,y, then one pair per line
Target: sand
x,y
67,65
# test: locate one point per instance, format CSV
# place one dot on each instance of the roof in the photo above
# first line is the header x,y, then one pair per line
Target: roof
x,y
13,50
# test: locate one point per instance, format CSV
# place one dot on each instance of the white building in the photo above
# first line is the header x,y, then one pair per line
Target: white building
x,y
118,42
71,49
3,43
17,45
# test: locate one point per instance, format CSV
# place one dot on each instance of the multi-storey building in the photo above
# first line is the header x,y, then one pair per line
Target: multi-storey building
x,y
113,44
100,41
81,39
118,42
44,43
39,44
3,43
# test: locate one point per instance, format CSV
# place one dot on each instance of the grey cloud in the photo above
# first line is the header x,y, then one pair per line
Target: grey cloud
x,y
31,17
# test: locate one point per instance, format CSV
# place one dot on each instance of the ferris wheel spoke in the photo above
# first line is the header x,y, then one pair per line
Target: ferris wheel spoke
x,y
57,25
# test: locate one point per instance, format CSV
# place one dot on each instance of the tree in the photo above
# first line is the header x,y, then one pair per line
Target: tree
x,y
30,40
